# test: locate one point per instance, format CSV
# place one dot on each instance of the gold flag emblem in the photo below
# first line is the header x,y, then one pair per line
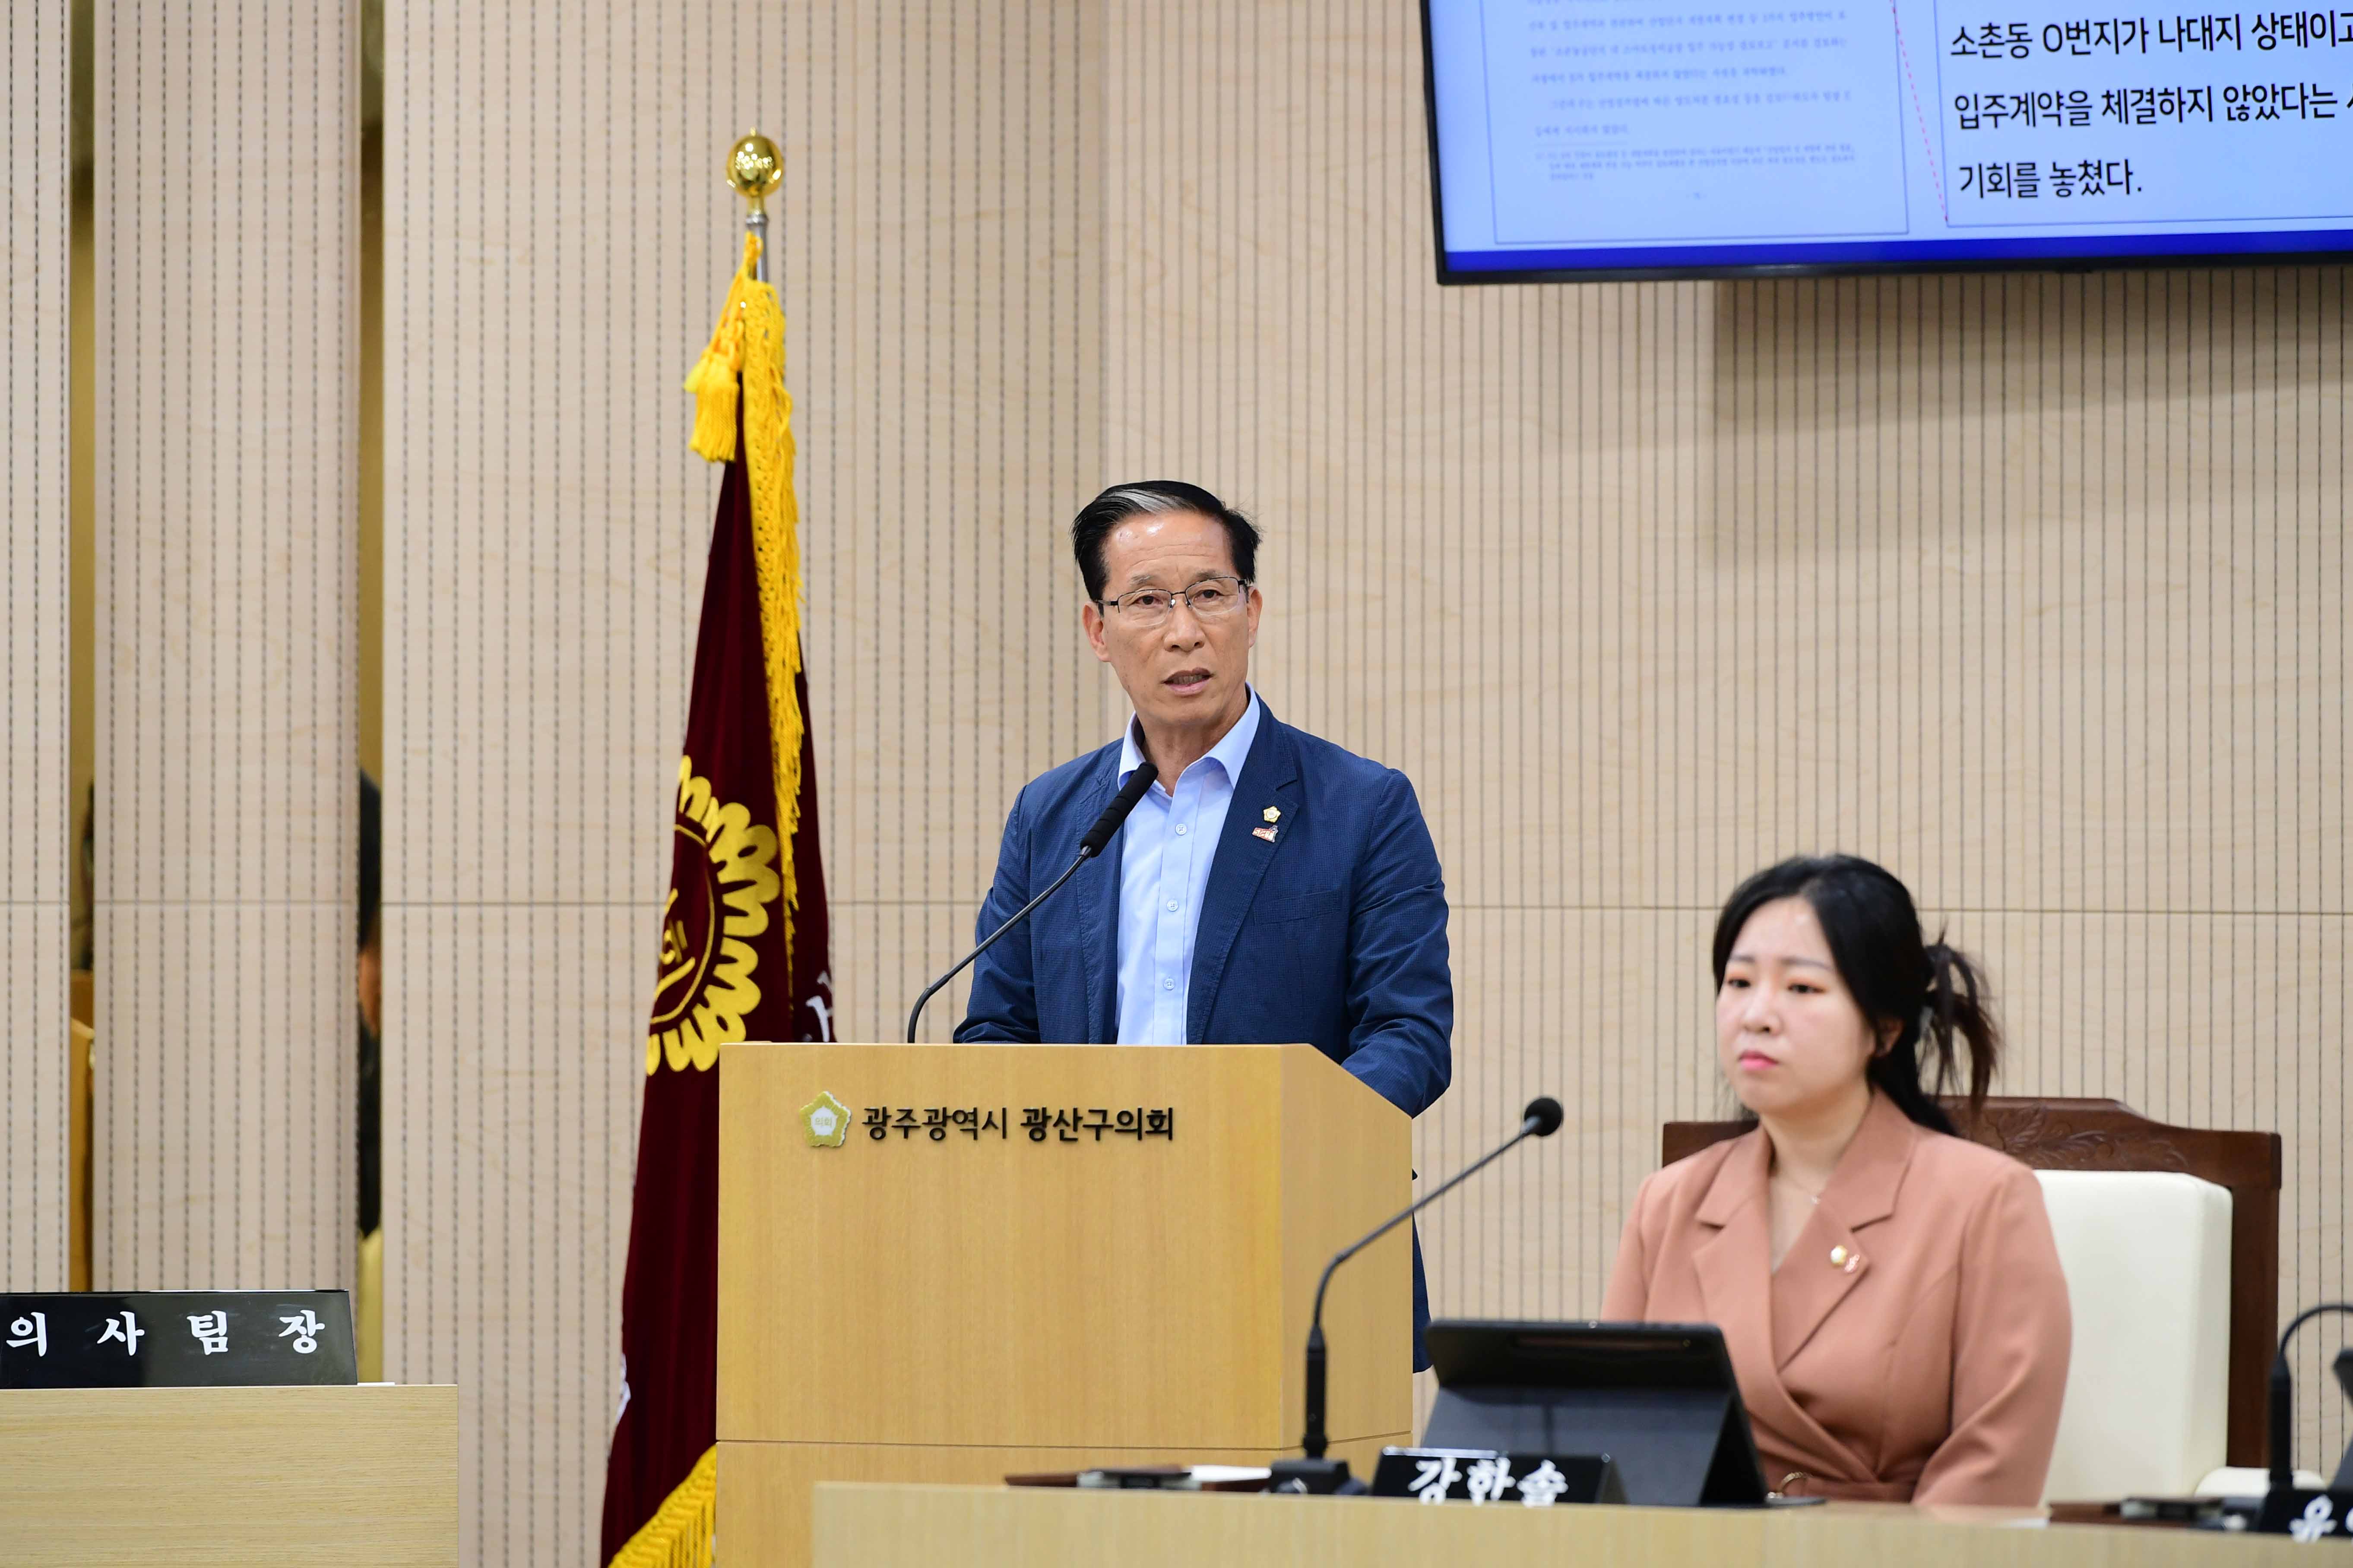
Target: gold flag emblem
x,y
722,879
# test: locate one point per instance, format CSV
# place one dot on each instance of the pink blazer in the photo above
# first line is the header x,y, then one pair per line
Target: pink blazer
x,y
1912,1345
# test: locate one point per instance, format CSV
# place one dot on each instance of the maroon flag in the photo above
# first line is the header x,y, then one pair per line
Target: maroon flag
x,y
742,955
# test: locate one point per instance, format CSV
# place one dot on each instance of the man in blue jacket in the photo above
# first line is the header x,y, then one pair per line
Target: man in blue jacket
x,y
1270,887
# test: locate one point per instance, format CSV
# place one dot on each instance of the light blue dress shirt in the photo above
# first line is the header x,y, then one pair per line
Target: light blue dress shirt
x,y
1165,849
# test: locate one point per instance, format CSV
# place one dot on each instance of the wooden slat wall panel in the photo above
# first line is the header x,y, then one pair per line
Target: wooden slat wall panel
x,y
225,634
2032,587
937,247
33,548
942,268
543,526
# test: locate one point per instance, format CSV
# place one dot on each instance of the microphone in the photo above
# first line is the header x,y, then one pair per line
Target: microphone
x,y
1098,837
2343,1481
1542,1119
1093,844
2283,1403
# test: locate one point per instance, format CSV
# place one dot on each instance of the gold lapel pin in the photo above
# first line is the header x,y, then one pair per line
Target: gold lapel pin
x,y
1272,814
1839,1255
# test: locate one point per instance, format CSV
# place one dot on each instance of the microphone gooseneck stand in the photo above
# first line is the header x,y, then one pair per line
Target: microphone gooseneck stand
x,y
2283,1404
1315,1473
1097,839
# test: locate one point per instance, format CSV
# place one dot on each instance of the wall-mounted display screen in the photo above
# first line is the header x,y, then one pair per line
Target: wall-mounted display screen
x,y
1615,138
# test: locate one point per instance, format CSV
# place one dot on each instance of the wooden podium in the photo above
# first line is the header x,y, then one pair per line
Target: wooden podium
x,y
950,1263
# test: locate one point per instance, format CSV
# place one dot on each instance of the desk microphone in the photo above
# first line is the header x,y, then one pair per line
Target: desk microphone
x,y
2283,1404
1097,839
1540,1120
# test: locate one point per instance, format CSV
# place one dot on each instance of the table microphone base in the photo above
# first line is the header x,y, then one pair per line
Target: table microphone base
x,y
1319,1478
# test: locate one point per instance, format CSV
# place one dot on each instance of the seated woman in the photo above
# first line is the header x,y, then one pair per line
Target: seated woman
x,y
1890,1293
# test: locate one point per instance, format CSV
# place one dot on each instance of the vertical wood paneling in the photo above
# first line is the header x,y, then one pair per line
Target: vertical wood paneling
x,y
2031,586
225,581
543,534
34,547
942,270
937,245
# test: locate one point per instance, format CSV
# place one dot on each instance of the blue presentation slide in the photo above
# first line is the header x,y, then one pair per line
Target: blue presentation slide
x,y
1633,134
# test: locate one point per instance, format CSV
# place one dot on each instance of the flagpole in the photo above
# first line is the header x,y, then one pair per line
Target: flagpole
x,y
754,169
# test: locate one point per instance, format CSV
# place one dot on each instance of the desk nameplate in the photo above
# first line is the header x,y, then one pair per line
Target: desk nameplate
x,y
175,1338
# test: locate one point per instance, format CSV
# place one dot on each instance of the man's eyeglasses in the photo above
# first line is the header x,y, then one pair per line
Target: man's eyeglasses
x,y
1210,599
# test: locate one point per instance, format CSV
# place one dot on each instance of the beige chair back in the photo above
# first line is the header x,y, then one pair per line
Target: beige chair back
x,y
2147,1259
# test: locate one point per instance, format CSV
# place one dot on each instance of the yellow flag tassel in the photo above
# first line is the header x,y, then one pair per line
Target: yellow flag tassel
x,y
713,378
747,350
679,1535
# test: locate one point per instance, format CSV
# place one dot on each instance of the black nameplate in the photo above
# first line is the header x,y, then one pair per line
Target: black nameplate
x,y
1483,1476
176,1339
2308,1516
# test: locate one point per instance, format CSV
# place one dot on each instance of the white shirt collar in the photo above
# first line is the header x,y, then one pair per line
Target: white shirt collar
x,y
1228,753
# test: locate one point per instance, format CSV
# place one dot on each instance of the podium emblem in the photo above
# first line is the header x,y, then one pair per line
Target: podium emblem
x,y
826,1121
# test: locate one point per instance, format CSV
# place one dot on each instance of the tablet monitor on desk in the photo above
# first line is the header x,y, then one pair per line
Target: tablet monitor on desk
x,y
1658,1398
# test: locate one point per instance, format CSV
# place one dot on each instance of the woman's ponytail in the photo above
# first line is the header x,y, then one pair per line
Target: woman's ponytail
x,y
1958,1005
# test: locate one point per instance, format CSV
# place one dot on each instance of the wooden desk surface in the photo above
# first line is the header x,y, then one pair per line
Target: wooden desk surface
x,y
877,1526
246,1476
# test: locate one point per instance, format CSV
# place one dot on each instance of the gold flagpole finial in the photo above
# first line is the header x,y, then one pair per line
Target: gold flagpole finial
x,y
754,168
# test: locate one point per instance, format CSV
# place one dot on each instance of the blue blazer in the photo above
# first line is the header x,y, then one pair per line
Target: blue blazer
x,y
1345,914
